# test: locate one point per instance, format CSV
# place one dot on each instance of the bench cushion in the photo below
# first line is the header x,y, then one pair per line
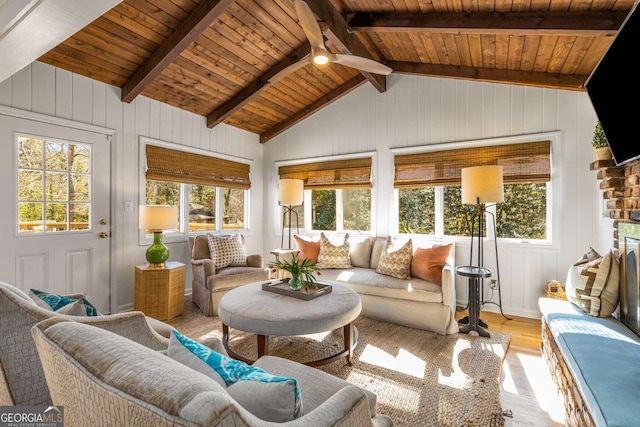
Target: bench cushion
x,y
603,356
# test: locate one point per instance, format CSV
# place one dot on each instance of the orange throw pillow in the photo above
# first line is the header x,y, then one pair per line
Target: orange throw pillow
x,y
427,263
308,249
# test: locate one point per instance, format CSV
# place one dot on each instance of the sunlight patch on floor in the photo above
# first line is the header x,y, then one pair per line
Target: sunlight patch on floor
x,y
456,378
508,384
404,362
541,382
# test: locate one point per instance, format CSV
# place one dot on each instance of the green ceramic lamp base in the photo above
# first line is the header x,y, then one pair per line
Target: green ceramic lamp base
x,y
157,253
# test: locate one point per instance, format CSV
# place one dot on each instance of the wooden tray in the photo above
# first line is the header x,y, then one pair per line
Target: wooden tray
x,y
282,287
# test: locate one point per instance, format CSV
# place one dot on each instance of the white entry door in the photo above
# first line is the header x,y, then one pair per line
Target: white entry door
x,y
55,210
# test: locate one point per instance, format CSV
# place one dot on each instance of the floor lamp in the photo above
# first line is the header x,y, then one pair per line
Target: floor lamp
x,y
290,192
481,186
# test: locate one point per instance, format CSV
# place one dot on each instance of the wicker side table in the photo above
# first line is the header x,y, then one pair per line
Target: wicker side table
x,y
159,292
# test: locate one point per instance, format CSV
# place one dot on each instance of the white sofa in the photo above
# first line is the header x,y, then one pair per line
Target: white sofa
x,y
410,302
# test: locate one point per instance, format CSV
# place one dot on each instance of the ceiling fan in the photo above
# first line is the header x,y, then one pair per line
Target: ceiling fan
x,y
319,53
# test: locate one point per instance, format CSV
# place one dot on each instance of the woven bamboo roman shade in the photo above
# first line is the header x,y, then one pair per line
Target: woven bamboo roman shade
x,y
165,164
351,173
527,162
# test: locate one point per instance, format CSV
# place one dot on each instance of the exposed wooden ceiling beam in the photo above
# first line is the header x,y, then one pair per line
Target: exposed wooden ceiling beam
x,y
576,23
317,105
250,92
339,34
528,78
195,24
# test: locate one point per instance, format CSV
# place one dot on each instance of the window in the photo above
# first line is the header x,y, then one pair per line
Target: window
x,y
341,210
211,192
429,191
54,186
339,192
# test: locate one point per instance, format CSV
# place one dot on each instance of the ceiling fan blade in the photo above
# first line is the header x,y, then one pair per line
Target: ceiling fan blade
x,y
290,69
360,63
309,25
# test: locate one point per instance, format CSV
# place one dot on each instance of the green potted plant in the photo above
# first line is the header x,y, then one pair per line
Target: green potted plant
x,y
601,144
302,272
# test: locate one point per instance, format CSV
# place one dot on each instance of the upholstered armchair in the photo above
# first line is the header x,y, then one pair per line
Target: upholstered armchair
x,y
132,385
211,283
22,381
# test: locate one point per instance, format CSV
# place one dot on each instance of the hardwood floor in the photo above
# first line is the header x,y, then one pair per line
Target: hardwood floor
x,y
527,390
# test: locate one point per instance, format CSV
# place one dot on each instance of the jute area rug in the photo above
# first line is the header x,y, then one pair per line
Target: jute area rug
x,y
421,378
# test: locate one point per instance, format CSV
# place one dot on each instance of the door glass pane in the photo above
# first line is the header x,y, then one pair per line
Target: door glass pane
x,y
56,219
30,218
417,210
51,175
57,186
202,208
79,187
56,156
79,216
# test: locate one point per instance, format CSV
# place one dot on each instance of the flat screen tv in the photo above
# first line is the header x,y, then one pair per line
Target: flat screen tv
x,y
614,90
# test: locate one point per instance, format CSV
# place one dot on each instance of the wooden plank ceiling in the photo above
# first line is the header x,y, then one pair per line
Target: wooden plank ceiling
x,y
215,57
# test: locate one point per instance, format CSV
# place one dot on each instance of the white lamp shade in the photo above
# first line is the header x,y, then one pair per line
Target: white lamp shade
x,y
290,192
154,217
482,184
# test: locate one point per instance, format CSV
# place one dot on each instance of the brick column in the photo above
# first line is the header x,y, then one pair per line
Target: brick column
x,y
621,190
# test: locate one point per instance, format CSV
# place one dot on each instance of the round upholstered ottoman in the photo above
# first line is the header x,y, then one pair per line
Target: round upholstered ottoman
x,y
251,309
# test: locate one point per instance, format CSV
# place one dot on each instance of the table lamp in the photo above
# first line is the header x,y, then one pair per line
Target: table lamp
x,y
290,195
156,219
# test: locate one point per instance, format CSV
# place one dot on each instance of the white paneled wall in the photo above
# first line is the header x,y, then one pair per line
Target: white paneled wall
x,y
48,90
417,111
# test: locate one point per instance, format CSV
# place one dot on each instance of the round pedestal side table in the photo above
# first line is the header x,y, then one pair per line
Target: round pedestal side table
x,y
474,274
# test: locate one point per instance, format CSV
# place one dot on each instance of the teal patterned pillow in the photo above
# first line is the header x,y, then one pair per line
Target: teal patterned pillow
x,y
269,397
63,304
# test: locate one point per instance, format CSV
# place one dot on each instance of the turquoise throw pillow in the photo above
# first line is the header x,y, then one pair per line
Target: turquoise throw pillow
x,y
63,304
269,397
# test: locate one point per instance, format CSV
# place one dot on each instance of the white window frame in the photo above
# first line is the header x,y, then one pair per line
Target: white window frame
x,y
306,227
183,234
554,137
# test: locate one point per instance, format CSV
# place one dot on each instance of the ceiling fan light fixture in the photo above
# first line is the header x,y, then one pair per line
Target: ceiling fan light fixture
x,y
320,56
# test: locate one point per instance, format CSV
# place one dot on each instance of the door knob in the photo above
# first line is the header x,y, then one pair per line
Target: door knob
x,y
104,234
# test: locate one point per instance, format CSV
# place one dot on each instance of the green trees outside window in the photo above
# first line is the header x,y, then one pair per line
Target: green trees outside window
x,y
346,209
522,215
54,185
202,200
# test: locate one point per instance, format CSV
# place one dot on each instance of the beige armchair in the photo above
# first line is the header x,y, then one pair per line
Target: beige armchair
x,y
132,385
22,381
209,284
